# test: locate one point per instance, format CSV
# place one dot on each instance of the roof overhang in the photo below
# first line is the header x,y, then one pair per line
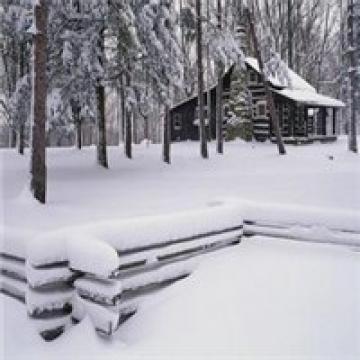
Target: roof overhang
x,y
309,98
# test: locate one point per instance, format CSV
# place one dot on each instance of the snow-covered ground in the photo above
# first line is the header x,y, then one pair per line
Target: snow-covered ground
x,y
80,192
266,298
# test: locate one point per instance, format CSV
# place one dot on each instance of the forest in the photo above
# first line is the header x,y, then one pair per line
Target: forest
x,y
96,72
179,179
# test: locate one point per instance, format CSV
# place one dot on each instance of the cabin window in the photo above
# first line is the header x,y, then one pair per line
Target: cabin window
x,y
77,6
253,77
177,122
261,108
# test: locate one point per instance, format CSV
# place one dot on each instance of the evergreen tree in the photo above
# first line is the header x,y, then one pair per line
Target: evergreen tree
x,y
15,20
155,23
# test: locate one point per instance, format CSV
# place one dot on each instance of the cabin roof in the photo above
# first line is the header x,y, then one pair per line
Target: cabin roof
x,y
195,96
297,82
298,90
310,98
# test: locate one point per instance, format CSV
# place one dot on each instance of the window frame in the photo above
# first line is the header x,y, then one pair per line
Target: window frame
x,y
262,104
178,123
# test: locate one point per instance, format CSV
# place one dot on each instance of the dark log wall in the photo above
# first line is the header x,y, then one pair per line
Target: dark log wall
x,y
295,122
183,115
261,123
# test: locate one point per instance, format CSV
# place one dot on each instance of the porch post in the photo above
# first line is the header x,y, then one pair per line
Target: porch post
x,y
334,121
306,119
291,119
323,121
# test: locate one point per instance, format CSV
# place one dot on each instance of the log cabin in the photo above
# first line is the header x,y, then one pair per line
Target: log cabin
x,y
305,115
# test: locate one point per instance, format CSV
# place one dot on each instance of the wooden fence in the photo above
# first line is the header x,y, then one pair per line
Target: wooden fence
x,y
59,294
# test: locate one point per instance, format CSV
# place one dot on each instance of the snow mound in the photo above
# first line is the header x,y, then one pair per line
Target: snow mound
x,y
92,256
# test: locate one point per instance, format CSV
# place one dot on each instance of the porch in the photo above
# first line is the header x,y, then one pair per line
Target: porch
x,y
306,117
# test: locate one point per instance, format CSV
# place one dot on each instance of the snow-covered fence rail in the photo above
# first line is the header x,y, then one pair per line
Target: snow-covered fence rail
x,y
307,233
46,290
105,270
111,295
13,277
309,224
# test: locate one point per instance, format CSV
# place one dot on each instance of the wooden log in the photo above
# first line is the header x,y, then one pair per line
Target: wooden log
x,y
287,233
156,245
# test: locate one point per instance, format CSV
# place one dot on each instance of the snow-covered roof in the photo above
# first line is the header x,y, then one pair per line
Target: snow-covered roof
x,y
310,98
298,90
297,82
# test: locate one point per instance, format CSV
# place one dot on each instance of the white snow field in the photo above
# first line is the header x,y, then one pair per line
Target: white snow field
x,y
263,299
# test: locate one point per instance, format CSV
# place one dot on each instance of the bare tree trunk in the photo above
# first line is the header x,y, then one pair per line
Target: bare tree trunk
x,y
13,137
22,139
75,108
202,129
219,93
342,63
323,47
101,144
21,143
134,127
122,109
38,154
269,95
100,94
290,34
128,119
167,136
208,72
353,86
79,135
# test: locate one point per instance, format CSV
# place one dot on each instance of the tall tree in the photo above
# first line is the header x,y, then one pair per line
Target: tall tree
x,y
208,69
269,95
199,44
38,153
155,23
353,13
219,91
15,17
290,34
128,139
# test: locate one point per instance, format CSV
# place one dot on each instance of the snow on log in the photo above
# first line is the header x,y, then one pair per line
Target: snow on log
x,y
13,287
297,215
12,268
12,242
167,273
104,292
47,249
47,303
47,276
146,231
104,319
78,310
150,258
315,234
93,257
